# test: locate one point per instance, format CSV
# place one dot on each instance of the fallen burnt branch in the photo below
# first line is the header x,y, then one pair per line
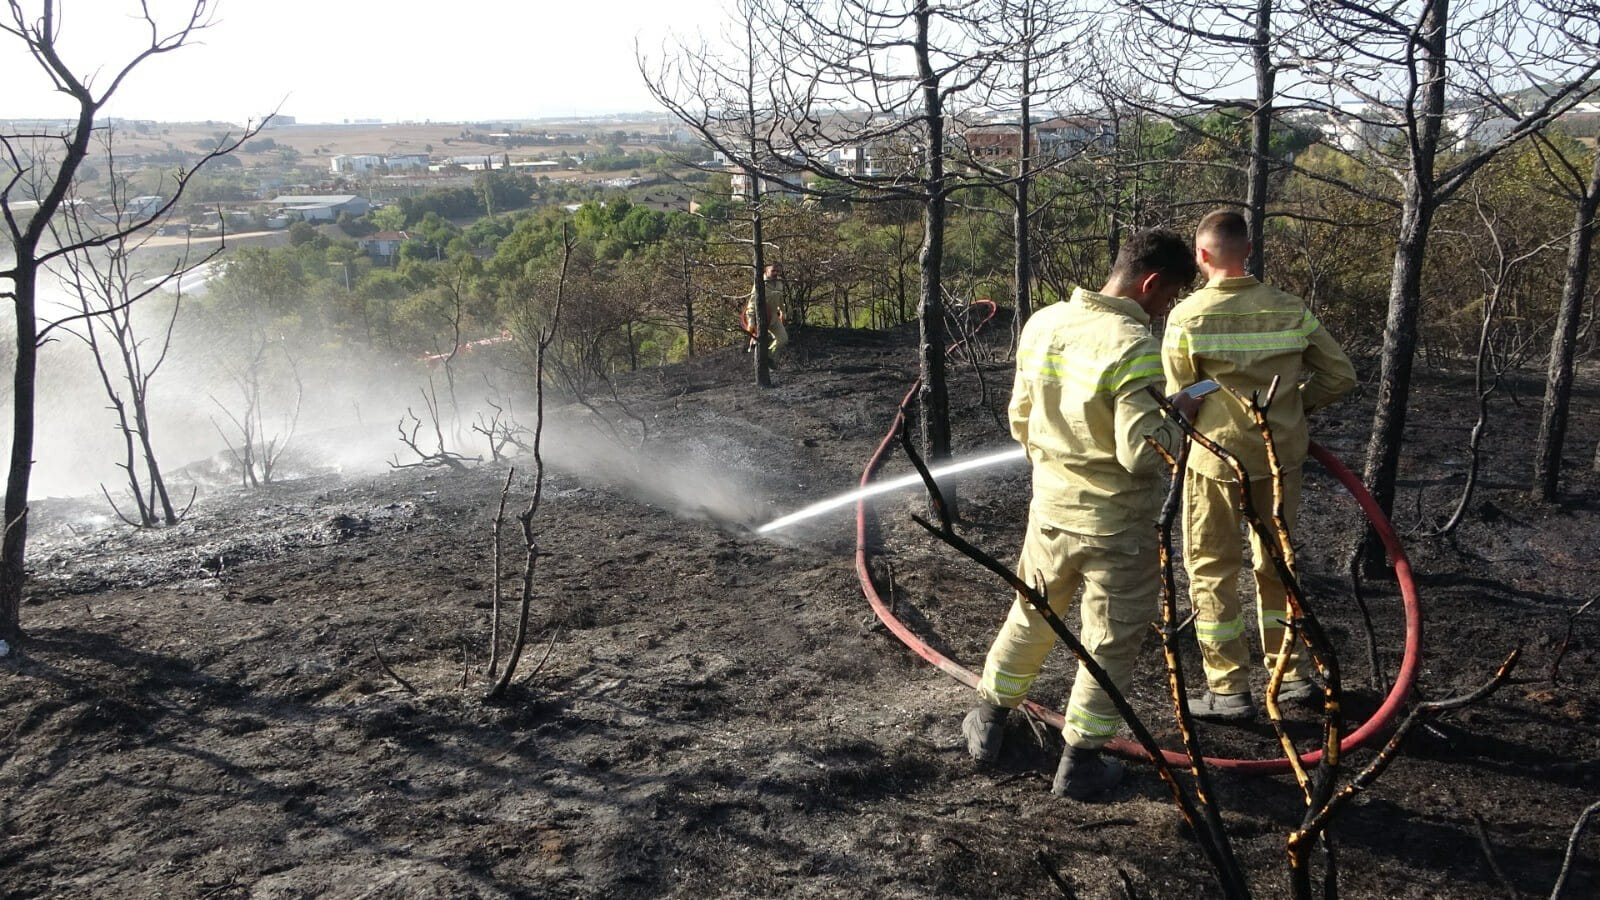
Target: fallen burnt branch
x,y
1054,874
384,665
1480,828
1214,843
555,634
1379,681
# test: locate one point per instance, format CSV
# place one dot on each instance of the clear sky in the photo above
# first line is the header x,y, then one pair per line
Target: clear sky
x,y
331,60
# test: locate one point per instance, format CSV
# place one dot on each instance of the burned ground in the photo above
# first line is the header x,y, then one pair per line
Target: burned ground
x,y
201,711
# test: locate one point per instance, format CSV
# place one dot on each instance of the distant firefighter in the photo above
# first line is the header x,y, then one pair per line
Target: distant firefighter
x,y
1242,333
777,334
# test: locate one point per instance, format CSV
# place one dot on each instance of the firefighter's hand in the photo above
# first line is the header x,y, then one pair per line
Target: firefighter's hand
x,y
1186,405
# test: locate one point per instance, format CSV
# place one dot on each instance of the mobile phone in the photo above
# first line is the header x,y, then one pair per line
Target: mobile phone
x,y
1201,388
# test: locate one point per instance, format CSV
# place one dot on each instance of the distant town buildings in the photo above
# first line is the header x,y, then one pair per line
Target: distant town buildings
x,y
350,164
360,164
1058,138
143,207
321,207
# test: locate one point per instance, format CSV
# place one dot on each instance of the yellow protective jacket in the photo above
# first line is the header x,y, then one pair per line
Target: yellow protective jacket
x,y
774,305
1242,333
1080,408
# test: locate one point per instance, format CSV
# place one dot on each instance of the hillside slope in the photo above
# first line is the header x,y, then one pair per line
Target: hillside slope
x,y
202,711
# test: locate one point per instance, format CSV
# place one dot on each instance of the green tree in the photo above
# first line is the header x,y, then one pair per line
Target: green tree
x,y
302,233
388,218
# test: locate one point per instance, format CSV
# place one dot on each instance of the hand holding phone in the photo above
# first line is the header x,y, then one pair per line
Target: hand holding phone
x,y
1187,401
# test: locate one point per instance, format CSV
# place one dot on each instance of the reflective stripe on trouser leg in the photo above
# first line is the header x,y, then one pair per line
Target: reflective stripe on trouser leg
x,y
1121,580
1213,555
1018,651
1270,603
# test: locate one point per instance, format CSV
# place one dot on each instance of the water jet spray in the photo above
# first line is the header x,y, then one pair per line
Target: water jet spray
x,y
1015,454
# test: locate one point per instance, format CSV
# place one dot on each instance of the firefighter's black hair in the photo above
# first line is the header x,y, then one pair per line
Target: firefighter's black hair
x,y
1159,250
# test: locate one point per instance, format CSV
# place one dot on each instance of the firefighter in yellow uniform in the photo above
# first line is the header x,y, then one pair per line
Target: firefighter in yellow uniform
x,y
1242,333
1081,408
777,334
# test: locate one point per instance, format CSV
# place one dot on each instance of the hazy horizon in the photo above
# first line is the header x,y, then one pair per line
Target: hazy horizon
x,y
325,63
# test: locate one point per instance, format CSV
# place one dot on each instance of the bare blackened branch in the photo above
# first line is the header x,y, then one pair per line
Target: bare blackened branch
x,y
1566,639
384,664
1572,849
433,458
1482,831
1419,715
494,585
542,342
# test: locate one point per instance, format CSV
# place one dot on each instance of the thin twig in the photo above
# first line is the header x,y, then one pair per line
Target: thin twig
x,y
1379,678
1572,849
553,635
1127,883
494,588
1482,831
1050,872
384,664
1561,652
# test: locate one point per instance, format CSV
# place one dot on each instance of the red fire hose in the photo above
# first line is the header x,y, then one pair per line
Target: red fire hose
x,y
1379,721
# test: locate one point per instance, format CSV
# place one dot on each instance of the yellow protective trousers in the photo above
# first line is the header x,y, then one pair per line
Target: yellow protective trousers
x,y
1120,578
1213,557
777,334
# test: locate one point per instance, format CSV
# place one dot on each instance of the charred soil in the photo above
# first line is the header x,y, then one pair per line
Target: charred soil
x,y
201,711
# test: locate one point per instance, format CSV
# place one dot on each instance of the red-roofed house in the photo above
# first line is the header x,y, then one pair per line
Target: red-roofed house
x,y
385,245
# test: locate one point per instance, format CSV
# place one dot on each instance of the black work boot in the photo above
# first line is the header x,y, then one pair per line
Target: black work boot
x,y
1085,773
1304,692
1224,707
985,728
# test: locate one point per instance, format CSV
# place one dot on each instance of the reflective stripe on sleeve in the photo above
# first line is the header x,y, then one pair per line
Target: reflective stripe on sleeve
x,y
1057,368
1136,369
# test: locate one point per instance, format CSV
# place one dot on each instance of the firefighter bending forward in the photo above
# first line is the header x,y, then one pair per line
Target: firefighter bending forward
x,y
1243,333
1080,407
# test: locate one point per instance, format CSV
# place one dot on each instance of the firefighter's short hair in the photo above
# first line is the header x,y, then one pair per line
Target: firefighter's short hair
x,y
1225,231
1159,250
